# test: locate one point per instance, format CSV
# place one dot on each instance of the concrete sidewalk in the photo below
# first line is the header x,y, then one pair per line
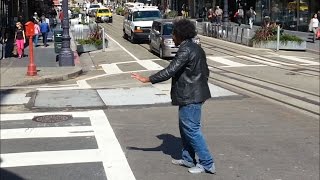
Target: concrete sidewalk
x,y
14,70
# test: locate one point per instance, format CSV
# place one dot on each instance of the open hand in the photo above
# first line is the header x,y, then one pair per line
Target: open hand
x,y
140,78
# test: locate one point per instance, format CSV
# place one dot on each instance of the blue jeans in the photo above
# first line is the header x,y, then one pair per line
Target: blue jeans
x,y
44,38
35,40
192,138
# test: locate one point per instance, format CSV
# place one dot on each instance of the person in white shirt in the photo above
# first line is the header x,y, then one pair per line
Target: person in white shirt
x,y
314,25
218,13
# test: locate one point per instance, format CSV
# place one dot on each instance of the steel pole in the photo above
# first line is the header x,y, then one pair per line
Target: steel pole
x,y
225,13
66,57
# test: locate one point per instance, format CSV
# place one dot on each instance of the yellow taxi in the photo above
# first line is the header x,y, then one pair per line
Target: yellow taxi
x,y
104,15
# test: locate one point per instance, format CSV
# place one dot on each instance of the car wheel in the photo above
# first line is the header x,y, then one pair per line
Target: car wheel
x,y
161,52
125,36
150,47
132,38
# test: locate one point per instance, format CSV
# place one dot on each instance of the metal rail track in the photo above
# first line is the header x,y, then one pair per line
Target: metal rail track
x,y
291,96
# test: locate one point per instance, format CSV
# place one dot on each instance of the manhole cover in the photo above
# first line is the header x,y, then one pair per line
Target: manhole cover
x,y
52,118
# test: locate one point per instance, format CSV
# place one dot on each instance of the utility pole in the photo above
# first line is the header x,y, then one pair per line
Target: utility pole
x,y
66,57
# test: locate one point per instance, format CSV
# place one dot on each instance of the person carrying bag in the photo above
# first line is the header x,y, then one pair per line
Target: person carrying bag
x,y
314,27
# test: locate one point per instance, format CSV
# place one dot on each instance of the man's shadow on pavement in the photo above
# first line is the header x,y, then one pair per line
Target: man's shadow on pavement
x,y
171,145
7,175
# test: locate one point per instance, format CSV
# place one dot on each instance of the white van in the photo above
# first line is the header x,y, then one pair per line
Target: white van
x,y
138,21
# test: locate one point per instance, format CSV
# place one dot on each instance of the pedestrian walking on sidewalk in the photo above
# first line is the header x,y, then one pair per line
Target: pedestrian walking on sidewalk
x,y
20,39
251,14
189,90
218,13
239,16
36,33
44,28
314,26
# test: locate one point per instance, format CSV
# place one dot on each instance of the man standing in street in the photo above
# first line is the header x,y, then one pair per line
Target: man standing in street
x,y
189,90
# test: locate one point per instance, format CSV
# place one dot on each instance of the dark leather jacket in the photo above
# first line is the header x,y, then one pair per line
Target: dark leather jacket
x,y
189,72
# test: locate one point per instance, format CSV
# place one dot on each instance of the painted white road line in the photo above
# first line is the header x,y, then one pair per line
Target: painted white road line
x,y
83,84
248,65
150,59
150,65
45,132
111,68
113,158
14,99
50,157
123,48
109,152
60,88
292,58
226,61
270,60
259,61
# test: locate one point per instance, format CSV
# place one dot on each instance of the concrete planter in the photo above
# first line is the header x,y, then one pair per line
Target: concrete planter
x,y
290,45
81,48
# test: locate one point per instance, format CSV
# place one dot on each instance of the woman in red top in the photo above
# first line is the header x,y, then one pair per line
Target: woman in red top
x,y
20,39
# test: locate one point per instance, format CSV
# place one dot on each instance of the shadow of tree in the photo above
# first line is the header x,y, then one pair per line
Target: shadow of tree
x,y
171,145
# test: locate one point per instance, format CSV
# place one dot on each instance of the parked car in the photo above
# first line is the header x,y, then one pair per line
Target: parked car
x,y
104,15
161,40
137,22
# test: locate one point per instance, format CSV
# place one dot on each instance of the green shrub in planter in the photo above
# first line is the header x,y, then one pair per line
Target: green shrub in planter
x,y
96,42
119,10
171,14
265,34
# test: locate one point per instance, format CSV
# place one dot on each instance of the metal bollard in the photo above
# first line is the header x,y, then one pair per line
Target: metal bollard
x,y
231,34
103,41
241,35
236,35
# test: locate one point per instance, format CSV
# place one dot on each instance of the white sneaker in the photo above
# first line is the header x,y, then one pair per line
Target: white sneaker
x,y
199,169
182,162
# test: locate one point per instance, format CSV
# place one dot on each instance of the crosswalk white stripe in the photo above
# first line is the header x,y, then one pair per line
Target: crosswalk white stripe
x,y
226,61
50,157
150,65
258,61
114,160
44,132
270,60
111,68
292,58
109,152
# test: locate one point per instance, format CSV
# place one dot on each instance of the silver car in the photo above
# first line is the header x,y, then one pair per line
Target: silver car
x,y
161,40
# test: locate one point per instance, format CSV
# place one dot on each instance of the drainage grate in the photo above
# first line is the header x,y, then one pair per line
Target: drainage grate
x,y
52,118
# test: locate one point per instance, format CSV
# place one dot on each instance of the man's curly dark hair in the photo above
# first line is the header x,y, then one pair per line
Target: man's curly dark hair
x,y
184,29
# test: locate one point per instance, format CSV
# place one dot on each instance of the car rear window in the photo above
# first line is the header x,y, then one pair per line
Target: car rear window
x,y
167,29
146,15
103,11
94,6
